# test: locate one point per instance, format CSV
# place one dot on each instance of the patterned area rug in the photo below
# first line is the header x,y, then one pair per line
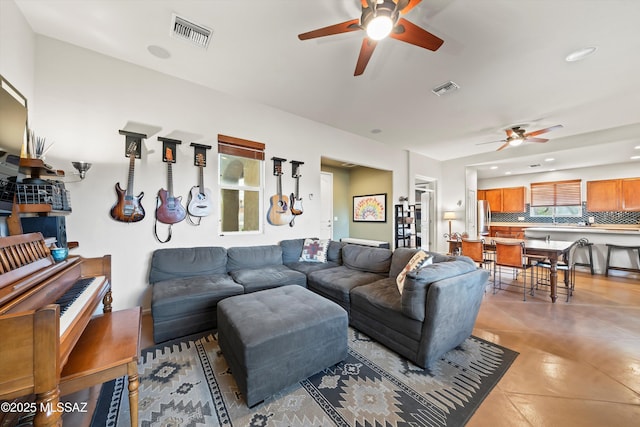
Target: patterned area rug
x,y
187,383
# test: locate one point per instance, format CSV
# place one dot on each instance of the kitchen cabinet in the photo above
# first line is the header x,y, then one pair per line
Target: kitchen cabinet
x,y
482,194
630,189
513,199
506,231
510,199
494,197
613,195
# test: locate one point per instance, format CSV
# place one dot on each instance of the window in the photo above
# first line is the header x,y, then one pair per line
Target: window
x,y
240,166
556,199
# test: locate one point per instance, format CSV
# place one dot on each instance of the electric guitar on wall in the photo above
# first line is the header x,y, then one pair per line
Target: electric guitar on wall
x,y
279,210
200,198
295,199
170,209
128,207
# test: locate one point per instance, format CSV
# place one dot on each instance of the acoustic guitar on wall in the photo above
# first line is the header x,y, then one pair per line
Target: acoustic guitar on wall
x,y
170,209
278,213
200,203
128,207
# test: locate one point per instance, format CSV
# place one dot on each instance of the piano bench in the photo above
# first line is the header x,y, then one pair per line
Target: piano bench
x,y
108,349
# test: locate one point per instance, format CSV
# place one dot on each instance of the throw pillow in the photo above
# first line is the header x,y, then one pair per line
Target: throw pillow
x,y
420,259
314,250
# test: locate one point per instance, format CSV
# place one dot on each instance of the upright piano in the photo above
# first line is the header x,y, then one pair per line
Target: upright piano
x,y
45,308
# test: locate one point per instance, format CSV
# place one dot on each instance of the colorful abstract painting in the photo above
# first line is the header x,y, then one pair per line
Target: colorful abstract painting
x,y
370,208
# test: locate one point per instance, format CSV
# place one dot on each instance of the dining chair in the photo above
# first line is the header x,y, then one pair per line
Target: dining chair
x,y
474,249
511,255
565,265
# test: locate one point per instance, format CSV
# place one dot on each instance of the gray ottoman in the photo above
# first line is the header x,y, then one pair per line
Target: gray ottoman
x,y
274,338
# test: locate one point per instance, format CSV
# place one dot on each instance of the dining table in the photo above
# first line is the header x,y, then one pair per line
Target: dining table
x,y
552,250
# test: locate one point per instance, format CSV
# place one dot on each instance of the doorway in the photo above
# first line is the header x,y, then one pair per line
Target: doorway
x,y
425,199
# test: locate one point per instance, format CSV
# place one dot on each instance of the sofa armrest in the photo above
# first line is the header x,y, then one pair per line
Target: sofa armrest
x,y
452,307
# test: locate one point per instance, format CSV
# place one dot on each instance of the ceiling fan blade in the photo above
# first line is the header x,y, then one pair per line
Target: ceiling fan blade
x,y
410,33
404,6
344,27
536,140
541,131
506,144
491,142
366,51
509,132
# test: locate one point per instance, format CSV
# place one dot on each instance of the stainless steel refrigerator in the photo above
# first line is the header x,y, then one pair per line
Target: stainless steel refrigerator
x,y
484,217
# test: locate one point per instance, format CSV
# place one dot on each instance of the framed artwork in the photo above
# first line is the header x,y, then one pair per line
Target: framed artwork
x,y
370,208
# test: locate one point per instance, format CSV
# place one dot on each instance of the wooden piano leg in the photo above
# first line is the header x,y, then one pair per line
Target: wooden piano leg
x,y
132,372
47,414
106,302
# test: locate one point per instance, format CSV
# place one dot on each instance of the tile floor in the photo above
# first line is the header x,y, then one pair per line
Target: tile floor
x,y
579,362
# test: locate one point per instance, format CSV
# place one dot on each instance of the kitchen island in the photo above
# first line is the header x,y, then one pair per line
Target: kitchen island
x,y
599,235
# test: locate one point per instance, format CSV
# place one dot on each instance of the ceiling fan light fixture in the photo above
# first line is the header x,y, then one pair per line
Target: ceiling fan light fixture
x,y
516,141
379,27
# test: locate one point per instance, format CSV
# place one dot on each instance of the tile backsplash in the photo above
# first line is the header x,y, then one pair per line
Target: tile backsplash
x,y
616,217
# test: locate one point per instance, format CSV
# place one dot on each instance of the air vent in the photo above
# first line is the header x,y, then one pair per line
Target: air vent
x,y
445,88
537,165
186,30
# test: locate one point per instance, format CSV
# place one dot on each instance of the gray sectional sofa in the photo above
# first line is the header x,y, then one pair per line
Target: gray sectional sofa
x,y
435,312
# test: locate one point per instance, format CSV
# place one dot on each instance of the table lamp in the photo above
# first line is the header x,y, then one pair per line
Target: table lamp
x,y
449,216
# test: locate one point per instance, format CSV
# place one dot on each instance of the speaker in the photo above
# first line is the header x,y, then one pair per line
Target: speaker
x,y
49,226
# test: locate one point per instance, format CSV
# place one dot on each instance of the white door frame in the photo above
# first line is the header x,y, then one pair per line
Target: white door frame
x,y
428,184
326,205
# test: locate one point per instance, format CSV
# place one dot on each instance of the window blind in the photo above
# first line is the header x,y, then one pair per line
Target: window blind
x,y
240,147
556,193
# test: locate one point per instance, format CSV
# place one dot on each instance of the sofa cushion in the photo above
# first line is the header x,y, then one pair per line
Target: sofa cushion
x,y
417,283
381,301
291,250
174,298
336,283
308,267
418,260
314,250
364,258
173,263
256,279
334,253
242,257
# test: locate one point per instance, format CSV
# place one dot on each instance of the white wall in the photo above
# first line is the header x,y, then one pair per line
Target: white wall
x,y
17,45
84,98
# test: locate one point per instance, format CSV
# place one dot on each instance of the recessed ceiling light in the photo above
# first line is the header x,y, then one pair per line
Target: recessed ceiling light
x,y
580,54
158,52
493,167
551,170
507,173
376,130
635,157
637,147
549,159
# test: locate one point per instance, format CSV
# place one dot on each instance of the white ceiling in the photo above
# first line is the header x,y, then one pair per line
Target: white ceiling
x,y
507,56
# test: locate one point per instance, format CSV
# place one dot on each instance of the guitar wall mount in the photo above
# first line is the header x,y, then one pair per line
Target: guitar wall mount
x,y
169,144
200,149
277,165
295,168
135,138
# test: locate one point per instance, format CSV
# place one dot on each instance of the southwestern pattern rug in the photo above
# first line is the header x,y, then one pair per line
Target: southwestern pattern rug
x,y
187,383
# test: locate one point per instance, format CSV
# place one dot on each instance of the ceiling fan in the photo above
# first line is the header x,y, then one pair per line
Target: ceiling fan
x,y
380,18
517,135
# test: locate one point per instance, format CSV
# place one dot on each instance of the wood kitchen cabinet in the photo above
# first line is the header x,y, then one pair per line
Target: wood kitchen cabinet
x,y
494,197
613,195
510,199
630,189
513,199
506,231
482,194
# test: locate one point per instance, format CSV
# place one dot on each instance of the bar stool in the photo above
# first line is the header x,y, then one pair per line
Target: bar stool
x,y
610,248
585,243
